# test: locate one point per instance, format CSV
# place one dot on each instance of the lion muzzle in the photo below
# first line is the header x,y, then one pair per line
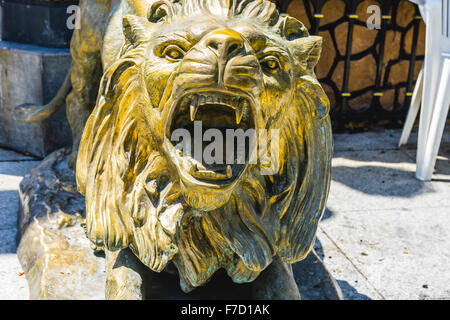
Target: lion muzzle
x,y
205,112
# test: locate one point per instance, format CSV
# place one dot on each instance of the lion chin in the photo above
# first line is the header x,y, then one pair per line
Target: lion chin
x,y
227,65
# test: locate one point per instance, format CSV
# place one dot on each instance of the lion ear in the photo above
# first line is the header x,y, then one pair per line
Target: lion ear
x,y
161,11
292,29
307,51
306,48
135,29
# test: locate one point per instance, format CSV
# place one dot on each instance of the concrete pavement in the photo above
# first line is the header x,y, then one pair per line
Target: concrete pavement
x,y
13,166
386,235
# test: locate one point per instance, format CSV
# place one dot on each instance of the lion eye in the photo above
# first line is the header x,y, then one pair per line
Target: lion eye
x,y
270,64
173,53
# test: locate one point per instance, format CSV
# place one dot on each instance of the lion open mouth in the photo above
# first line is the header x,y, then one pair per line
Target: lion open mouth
x,y
230,116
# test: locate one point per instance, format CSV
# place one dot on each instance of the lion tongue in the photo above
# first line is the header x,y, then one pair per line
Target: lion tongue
x,y
211,175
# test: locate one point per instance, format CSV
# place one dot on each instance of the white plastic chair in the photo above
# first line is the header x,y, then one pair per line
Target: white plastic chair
x,y
432,87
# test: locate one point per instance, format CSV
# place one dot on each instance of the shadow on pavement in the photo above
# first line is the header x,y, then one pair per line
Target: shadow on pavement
x,y
381,181
350,293
327,214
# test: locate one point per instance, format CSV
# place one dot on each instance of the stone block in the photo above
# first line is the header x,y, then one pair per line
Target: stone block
x,y
32,74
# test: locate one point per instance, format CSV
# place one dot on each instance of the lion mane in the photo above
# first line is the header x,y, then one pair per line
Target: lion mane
x,y
133,196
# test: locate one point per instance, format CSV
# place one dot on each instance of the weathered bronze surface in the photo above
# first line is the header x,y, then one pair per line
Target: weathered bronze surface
x,y
142,195
54,252
59,262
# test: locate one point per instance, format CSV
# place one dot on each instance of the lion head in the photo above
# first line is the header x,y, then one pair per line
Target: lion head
x,y
235,64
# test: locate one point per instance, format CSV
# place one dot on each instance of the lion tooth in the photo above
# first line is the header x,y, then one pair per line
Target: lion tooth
x,y
193,170
193,112
194,107
202,100
239,115
240,110
229,172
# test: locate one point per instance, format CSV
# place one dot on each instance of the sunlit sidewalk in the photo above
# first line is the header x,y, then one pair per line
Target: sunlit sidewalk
x,y
384,234
13,167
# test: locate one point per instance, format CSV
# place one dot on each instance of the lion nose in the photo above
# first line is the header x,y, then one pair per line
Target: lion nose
x,y
225,43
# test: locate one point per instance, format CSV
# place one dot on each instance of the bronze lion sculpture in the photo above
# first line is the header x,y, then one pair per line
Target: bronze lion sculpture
x,y
163,65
